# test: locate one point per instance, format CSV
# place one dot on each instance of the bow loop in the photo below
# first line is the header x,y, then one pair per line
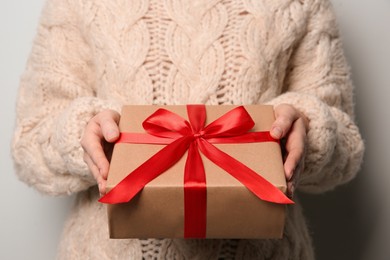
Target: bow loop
x,y
234,123
164,123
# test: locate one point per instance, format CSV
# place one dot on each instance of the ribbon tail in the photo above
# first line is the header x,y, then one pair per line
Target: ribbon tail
x,y
249,178
135,181
195,195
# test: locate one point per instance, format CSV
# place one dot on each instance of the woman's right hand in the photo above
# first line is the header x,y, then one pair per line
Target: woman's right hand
x,y
97,142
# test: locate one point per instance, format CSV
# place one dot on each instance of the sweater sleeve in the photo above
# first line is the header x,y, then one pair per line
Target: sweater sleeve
x,y
318,84
55,101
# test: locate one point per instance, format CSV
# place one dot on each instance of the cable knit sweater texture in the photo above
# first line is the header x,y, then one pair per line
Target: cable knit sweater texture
x,y
91,55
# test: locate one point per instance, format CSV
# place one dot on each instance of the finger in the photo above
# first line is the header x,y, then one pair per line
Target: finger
x,y
290,190
294,180
92,145
93,169
108,121
96,174
295,147
285,116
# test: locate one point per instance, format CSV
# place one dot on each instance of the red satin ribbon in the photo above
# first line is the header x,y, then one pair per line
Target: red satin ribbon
x,y
179,136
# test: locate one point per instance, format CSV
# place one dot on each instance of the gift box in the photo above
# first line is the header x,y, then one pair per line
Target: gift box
x,y
174,175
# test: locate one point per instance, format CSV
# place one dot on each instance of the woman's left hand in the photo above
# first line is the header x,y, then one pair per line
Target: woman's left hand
x,y
292,126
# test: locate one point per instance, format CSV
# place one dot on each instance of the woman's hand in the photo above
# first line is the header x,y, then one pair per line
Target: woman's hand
x,y
292,126
99,135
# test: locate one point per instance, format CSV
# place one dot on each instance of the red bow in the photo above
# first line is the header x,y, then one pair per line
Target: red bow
x,y
165,127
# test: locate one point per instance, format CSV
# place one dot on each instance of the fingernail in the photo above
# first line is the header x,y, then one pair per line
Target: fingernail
x,y
276,132
112,134
101,191
289,175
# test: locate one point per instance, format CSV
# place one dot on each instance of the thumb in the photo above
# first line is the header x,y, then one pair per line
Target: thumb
x,y
285,115
108,121
276,131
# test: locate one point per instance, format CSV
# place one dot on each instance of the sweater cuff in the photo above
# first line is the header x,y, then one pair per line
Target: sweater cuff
x,y
68,133
321,136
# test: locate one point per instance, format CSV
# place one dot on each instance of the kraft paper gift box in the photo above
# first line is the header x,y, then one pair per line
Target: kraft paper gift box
x,y
231,209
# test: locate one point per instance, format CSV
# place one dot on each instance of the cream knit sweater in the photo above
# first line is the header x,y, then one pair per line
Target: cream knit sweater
x,y
91,55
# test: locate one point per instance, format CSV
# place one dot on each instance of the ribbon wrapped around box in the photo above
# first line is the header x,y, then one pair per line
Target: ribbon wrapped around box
x,y
196,171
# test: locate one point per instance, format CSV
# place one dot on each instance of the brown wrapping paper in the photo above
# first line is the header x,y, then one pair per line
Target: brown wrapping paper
x,y
232,210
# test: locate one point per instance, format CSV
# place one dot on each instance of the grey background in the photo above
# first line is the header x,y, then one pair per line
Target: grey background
x,y
352,222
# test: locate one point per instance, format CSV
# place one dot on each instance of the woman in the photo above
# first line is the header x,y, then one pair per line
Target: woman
x,y
91,57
